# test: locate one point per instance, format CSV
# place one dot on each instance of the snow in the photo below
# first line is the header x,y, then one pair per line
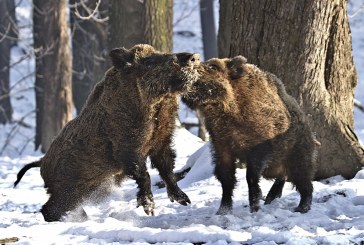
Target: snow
x,y
336,216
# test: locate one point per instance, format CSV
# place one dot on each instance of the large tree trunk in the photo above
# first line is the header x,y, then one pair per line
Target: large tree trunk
x,y
133,22
125,23
158,24
8,34
208,29
308,45
89,51
53,70
225,25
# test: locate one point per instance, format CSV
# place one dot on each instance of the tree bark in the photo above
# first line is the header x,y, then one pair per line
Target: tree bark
x,y
224,32
89,50
125,23
8,35
208,29
53,70
308,45
133,22
158,24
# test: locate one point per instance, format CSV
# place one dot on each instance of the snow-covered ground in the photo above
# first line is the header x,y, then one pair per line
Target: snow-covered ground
x,y
336,217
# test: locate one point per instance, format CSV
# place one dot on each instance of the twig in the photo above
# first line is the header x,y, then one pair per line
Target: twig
x,y
21,80
356,11
13,130
92,13
358,105
8,240
17,92
184,15
25,144
24,57
5,34
8,138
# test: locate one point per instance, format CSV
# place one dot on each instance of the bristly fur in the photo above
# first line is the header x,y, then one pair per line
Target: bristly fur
x,y
128,116
250,117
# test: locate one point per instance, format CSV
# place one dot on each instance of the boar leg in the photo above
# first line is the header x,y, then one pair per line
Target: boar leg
x,y
301,173
257,159
134,167
275,191
163,160
225,172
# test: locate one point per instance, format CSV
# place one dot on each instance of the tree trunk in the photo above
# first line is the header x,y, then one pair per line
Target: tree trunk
x,y
133,22
8,34
89,52
53,70
308,45
225,23
125,23
158,24
208,29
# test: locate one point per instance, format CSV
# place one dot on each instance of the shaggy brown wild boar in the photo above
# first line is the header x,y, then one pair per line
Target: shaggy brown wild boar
x,y
128,116
251,118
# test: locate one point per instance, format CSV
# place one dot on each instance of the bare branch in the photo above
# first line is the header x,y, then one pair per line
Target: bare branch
x,y
356,11
5,34
10,32
44,12
92,13
14,130
16,92
28,140
25,77
185,14
358,105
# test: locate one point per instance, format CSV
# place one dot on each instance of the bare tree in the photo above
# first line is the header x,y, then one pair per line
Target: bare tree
x,y
89,46
308,45
53,70
133,22
8,35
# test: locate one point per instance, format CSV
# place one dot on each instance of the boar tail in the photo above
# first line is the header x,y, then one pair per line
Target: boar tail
x,y
25,169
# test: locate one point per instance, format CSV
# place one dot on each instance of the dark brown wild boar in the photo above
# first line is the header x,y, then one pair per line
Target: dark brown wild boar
x,y
128,116
251,118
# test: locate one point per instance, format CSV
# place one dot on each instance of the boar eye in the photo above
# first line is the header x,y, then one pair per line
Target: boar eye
x,y
213,67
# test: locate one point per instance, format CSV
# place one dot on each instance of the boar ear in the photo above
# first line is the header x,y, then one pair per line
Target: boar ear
x,y
235,67
121,57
